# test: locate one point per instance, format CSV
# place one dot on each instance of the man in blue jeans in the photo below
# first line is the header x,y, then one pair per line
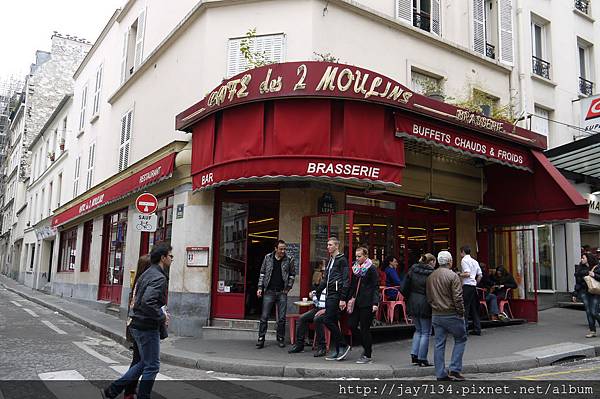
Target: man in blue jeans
x,y
145,318
445,295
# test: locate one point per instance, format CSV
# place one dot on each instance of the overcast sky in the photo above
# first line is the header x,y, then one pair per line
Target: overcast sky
x,y
27,25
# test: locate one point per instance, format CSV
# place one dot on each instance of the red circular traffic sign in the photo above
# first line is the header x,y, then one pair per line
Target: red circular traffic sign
x,y
146,203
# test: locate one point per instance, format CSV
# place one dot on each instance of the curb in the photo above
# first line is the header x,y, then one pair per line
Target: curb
x,y
302,370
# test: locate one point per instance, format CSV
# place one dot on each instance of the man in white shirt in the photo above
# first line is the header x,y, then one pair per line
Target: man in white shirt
x,y
471,274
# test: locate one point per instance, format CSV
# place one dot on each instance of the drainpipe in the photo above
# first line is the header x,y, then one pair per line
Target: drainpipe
x,y
520,43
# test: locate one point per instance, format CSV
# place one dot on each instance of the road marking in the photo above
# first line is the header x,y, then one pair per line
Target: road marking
x,y
31,312
535,376
16,304
123,369
53,327
67,384
62,375
277,389
85,348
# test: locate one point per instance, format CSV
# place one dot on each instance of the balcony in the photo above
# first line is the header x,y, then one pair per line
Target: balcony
x,y
422,20
490,51
586,87
541,67
582,5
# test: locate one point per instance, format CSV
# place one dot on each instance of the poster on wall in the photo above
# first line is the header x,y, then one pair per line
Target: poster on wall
x,y
293,251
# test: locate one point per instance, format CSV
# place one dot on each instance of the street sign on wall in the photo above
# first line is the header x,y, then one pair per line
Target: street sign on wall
x,y
590,114
145,223
146,203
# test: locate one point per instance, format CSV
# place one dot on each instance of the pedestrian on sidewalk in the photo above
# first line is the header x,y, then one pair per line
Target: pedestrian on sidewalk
x,y
415,293
147,315
445,295
471,274
277,275
486,283
363,301
142,265
335,284
587,267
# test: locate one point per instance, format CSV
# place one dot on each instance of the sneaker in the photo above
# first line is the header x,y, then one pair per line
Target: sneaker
x,y
296,348
333,356
591,334
414,359
446,378
456,376
344,351
364,360
424,363
320,352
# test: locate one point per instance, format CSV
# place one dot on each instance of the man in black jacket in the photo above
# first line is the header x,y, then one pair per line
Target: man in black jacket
x,y
145,318
335,284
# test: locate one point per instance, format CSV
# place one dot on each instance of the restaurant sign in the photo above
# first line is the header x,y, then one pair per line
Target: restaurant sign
x,y
460,141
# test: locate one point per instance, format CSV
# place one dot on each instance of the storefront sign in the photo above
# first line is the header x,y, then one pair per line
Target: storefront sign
x,y
145,223
131,184
45,232
594,203
449,137
590,114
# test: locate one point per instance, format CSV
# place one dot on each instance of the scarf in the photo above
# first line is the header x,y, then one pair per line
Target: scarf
x,y
360,270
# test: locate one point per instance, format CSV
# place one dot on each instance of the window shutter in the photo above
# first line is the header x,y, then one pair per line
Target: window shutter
x,y
234,57
90,168
126,123
272,46
82,111
436,26
479,26
505,22
97,91
124,58
404,10
139,38
76,178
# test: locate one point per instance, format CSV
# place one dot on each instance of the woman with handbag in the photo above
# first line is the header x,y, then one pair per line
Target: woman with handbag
x,y
363,300
588,267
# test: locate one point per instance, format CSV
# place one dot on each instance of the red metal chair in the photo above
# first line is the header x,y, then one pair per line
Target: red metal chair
x,y
482,302
392,309
384,304
504,303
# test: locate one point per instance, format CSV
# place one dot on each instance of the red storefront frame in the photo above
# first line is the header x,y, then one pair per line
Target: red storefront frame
x,y
112,262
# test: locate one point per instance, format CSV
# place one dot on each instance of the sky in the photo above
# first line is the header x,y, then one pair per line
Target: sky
x,y
27,25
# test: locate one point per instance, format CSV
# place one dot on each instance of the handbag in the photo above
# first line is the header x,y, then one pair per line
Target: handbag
x,y
592,284
352,301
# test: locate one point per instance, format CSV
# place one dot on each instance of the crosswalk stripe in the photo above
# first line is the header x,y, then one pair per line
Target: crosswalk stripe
x,y
122,369
31,312
67,384
85,348
16,304
53,327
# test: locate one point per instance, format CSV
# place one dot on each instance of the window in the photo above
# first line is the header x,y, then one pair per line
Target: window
x,y
76,177
269,46
63,134
32,259
423,14
67,250
58,189
492,29
586,86
49,155
97,86
165,222
82,110
55,142
545,256
540,121
133,47
125,141
50,189
582,5
35,202
34,165
42,198
89,181
426,84
486,102
541,66
88,228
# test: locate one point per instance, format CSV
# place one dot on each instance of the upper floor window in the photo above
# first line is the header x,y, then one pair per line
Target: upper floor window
x,y
270,47
540,121
582,5
89,181
76,176
426,84
423,14
539,43
493,29
82,108
125,140
133,47
97,87
586,85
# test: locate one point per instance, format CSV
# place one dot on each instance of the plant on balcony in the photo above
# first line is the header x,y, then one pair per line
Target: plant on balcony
x,y
254,58
326,57
51,155
477,101
432,88
61,144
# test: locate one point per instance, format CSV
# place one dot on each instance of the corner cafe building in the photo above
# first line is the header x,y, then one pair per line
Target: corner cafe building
x,y
302,151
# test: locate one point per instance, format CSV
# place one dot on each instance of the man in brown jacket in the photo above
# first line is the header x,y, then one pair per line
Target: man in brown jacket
x,y
445,295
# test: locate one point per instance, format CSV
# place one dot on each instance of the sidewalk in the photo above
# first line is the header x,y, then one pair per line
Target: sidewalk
x,y
558,334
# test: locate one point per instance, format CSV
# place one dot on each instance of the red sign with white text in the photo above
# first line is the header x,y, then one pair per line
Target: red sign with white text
x,y
146,203
451,138
150,174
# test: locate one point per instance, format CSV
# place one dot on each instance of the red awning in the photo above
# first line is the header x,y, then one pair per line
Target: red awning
x,y
129,185
521,198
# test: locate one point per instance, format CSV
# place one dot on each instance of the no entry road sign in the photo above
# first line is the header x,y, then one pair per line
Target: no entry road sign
x,y
146,203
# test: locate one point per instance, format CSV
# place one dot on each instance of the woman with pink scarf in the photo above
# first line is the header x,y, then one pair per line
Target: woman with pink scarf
x,y
364,289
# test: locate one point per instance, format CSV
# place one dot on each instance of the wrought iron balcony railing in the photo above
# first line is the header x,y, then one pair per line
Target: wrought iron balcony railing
x,y
541,67
582,5
490,51
586,87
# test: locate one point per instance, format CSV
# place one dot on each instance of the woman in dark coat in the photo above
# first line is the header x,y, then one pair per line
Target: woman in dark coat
x,y
588,267
364,286
414,291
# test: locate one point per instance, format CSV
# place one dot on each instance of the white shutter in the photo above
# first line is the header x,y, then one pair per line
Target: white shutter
x,y
124,58
125,140
82,110
505,22
97,90
436,26
272,46
139,38
90,168
404,10
479,26
540,121
76,177
234,57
